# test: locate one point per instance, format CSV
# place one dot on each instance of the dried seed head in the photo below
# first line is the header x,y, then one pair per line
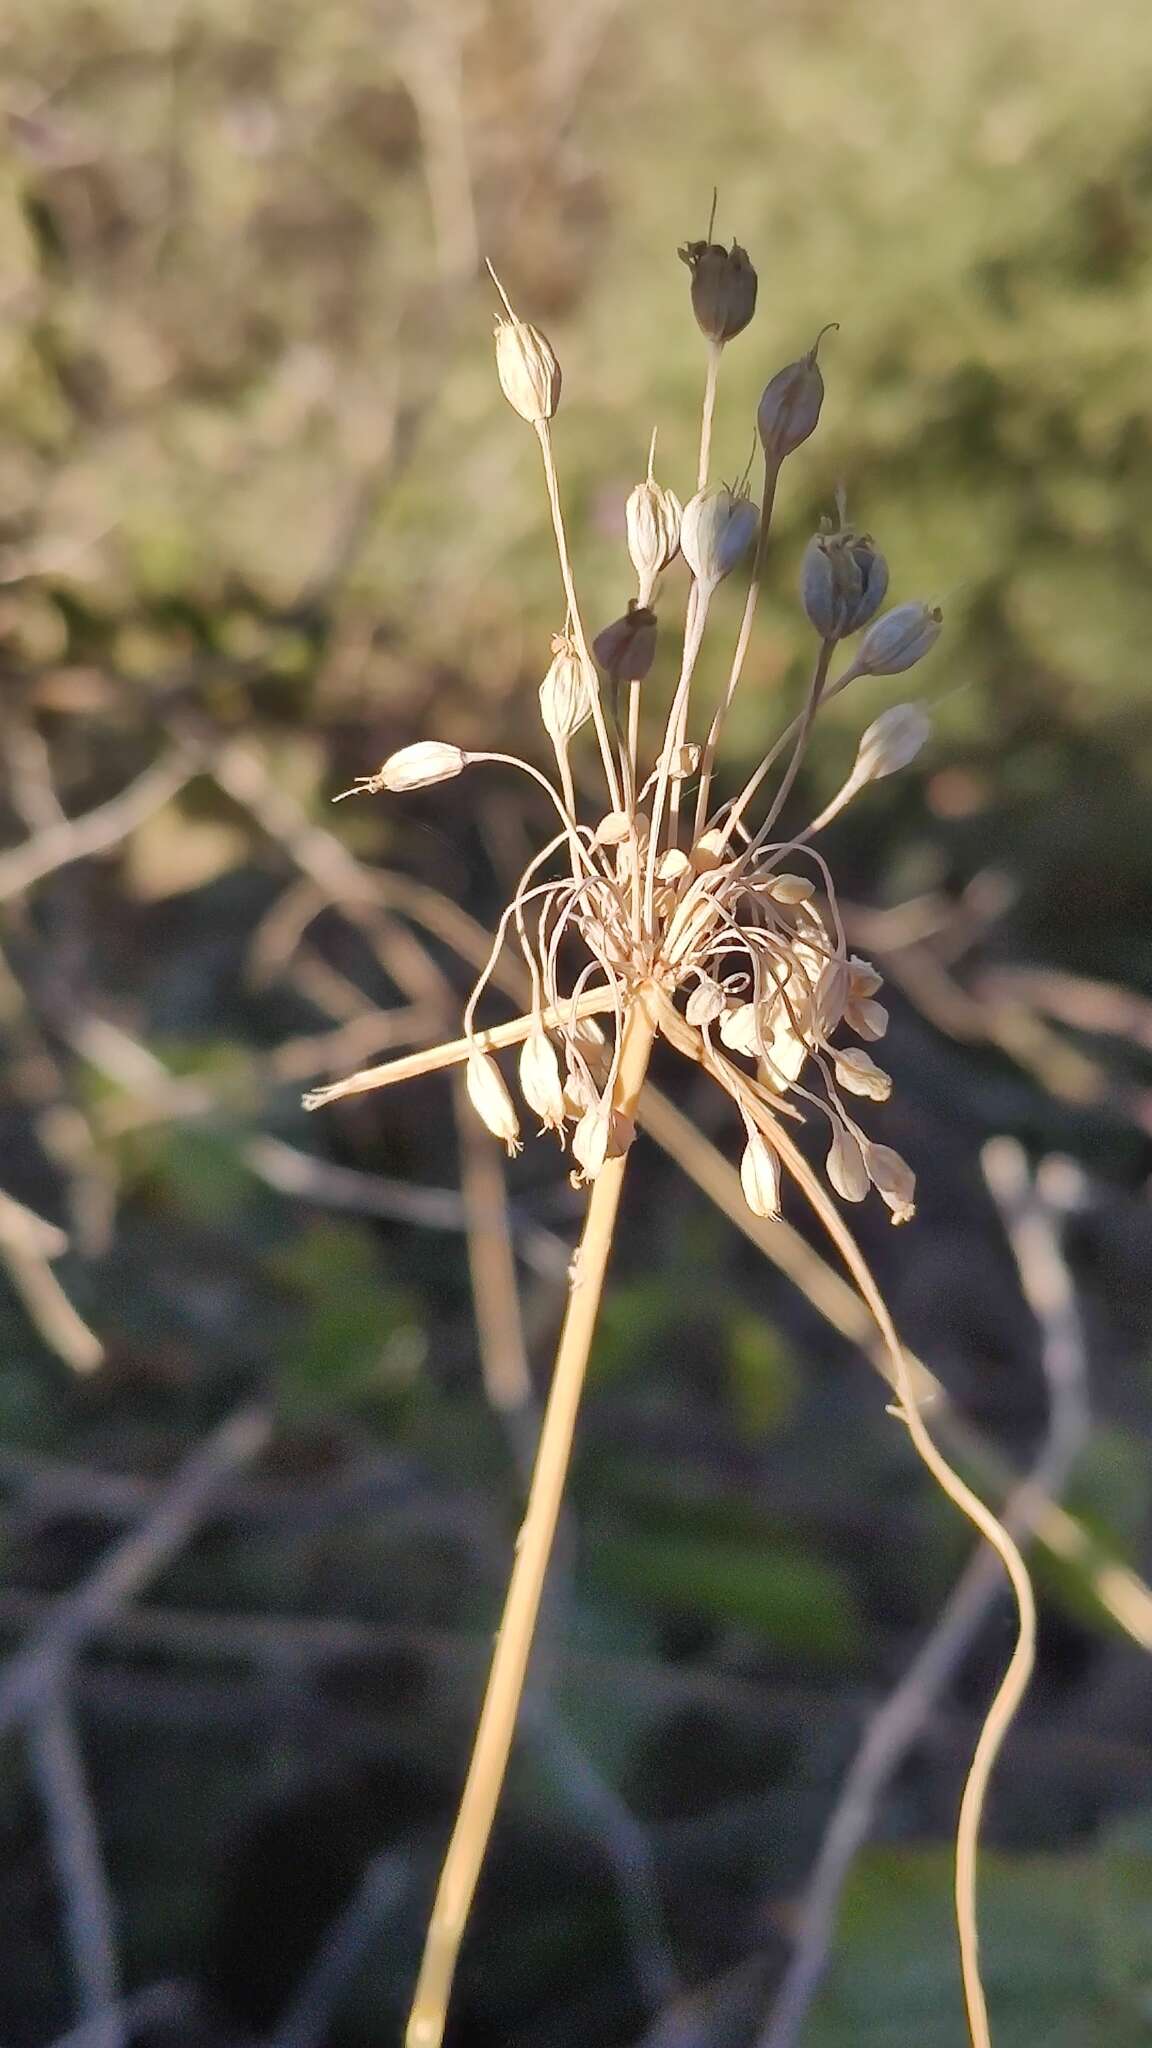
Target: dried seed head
x,y
760,1173
843,579
845,1167
414,767
858,1073
718,528
626,648
898,640
565,695
525,364
491,1100
790,404
652,517
723,288
891,742
540,1082
893,1179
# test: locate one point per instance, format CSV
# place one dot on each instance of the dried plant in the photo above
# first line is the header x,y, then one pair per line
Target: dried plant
x,y
712,926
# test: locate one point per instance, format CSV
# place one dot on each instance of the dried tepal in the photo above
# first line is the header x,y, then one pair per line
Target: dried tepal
x,y
711,924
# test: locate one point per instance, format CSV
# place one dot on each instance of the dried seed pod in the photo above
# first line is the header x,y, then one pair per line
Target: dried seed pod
x,y
898,640
414,767
843,580
791,889
706,1003
565,693
858,1073
626,649
491,1100
613,828
891,742
540,1082
652,517
760,1173
672,865
526,365
601,1134
864,1016
723,288
893,1179
717,530
740,1030
790,404
710,851
845,1167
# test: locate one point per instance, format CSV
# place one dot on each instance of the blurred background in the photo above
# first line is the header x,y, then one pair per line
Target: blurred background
x,y
267,1395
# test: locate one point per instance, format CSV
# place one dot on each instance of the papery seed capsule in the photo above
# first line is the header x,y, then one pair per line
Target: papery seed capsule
x,y
898,640
843,579
627,648
673,864
652,517
845,1167
858,1073
540,1082
891,742
717,530
526,366
893,1179
491,1100
790,889
790,404
416,767
723,288
706,1002
710,851
760,1173
740,1030
613,828
565,694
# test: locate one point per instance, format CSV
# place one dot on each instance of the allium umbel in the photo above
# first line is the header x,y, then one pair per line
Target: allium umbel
x,y
656,910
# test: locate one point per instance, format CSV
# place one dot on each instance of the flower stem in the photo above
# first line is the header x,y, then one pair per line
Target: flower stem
x,y
533,1549
544,436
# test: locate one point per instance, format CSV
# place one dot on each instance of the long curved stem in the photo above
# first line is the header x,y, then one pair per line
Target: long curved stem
x,y
544,436
1014,1683
533,1549
743,639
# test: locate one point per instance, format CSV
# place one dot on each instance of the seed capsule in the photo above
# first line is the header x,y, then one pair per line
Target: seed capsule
x,y
723,288
858,1073
898,640
843,579
414,767
565,696
893,1179
627,648
790,404
491,1100
717,530
526,365
845,1167
652,517
540,1082
891,742
760,1173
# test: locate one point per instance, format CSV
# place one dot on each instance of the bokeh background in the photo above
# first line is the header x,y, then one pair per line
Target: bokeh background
x,y
264,1415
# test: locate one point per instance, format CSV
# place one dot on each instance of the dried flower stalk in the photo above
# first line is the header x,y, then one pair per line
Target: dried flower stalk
x,y
725,939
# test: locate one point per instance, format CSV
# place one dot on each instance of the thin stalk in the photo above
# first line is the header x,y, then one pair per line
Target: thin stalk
x,y
812,706
1014,1683
715,351
544,436
699,599
533,1549
771,473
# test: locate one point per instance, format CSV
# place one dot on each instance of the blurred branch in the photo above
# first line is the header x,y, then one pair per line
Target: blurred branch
x,y
99,830
89,1911
27,1243
1031,1219
80,1615
381,1890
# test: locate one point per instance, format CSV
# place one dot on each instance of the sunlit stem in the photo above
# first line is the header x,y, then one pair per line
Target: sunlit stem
x,y
771,473
1014,1683
533,1549
544,436
807,717
565,806
700,597
554,1017
715,351
736,813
